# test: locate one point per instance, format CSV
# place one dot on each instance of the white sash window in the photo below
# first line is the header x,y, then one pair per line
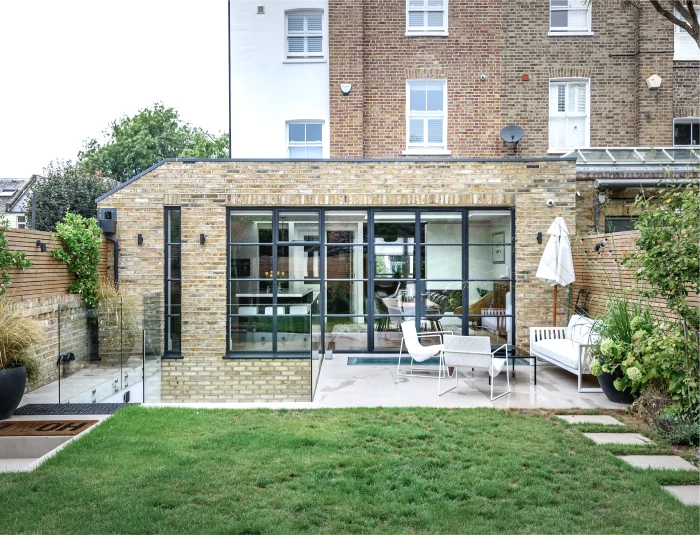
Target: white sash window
x,y
426,115
304,37
569,17
684,47
426,17
569,115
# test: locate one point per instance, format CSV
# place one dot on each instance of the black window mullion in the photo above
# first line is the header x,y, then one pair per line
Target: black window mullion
x,y
275,282
322,282
370,280
417,280
465,272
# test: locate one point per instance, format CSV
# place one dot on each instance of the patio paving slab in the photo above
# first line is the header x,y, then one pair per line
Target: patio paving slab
x,y
687,494
618,438
589,419
657,462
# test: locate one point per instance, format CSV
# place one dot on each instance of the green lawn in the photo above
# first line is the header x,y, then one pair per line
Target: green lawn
x,y
337,471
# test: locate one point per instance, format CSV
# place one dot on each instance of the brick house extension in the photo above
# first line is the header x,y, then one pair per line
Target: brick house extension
x,y
369,185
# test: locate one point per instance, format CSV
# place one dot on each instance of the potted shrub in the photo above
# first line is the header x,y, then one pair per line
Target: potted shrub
x,y
17,334
618,359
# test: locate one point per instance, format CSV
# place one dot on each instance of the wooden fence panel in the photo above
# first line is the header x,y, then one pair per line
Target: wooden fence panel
x,y
47,276
603,273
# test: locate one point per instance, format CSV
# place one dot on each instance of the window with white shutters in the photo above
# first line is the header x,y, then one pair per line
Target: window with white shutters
x,y
569,17
684,46
426,115
304,37
686,132
305,139
426,17
569,116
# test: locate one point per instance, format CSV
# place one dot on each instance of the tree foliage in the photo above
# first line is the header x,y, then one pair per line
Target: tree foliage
x,y
65,187
133,144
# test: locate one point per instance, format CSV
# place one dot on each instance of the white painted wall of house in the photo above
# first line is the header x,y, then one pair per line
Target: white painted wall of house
x,y
266,90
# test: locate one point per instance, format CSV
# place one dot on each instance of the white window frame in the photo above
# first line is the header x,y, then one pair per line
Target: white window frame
x,y
21,221
685,120
427,30
305,57
684,47
574,5
289,144
423,150
557,114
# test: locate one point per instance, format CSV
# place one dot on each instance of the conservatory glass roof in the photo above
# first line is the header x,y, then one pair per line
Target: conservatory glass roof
x,y
636,155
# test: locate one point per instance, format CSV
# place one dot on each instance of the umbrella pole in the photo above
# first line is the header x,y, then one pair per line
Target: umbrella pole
x,y
555,305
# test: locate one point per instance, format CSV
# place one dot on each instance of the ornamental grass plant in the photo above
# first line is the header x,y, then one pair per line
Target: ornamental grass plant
x,y
18,333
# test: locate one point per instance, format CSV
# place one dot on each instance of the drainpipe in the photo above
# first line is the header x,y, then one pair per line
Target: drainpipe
x,y
116,258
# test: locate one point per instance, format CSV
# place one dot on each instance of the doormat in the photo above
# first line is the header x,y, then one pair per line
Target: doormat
x,y
45,428
69,409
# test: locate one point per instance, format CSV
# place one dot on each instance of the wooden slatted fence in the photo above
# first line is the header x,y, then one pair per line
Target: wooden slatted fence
x,y
47,276
602,272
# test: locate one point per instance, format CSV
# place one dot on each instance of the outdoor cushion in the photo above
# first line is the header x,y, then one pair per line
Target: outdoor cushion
x,y
564,352
579,330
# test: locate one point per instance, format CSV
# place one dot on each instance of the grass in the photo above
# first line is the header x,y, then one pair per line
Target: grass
x,y
337,471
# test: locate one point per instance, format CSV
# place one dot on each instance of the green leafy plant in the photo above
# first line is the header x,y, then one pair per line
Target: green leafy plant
x,y
668,261
621,332
81,253
9,259
18,333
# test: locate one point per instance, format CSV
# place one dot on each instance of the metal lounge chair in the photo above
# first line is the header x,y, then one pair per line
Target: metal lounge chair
x,y
473,352
418,352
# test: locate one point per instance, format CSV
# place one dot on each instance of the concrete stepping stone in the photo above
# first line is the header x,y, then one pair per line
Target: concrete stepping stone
x,y
619,438
589,419
657,462
687,494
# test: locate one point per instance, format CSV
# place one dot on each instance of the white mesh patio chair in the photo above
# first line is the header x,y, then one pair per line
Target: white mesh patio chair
x,y
418,352
473,352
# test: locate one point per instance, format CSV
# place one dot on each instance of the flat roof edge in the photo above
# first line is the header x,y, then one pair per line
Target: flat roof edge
x,y
331,160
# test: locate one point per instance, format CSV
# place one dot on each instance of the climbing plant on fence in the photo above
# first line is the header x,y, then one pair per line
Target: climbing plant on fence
x,y
81,253
9,258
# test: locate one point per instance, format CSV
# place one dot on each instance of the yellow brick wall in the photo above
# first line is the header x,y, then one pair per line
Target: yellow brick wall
x,y
205,189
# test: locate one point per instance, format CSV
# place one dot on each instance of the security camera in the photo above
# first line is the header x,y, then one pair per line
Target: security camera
x,y
483,77
578,193
550,202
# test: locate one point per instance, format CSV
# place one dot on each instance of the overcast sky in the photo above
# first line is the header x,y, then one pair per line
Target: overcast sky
x,y
69,67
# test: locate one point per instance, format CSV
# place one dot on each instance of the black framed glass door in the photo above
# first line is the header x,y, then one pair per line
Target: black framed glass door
x,y
444,269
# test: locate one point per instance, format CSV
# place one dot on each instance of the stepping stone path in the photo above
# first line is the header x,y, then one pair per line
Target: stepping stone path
x,y
657,462
590,419
687,494
618,438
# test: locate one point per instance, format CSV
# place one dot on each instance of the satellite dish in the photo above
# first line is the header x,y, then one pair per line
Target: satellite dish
x,y
512,134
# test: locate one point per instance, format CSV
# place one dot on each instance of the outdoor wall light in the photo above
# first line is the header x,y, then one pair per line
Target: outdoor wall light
x,y
41,244
201,239
539,238
140,239
602,198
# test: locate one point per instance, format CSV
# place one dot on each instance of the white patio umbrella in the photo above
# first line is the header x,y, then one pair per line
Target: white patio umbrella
x,y
557,265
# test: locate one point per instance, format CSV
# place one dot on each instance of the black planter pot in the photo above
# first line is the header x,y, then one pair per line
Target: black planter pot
x,y
12,384
606,381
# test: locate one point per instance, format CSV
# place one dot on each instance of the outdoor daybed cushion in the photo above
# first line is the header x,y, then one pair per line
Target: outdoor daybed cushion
x,y
565,351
